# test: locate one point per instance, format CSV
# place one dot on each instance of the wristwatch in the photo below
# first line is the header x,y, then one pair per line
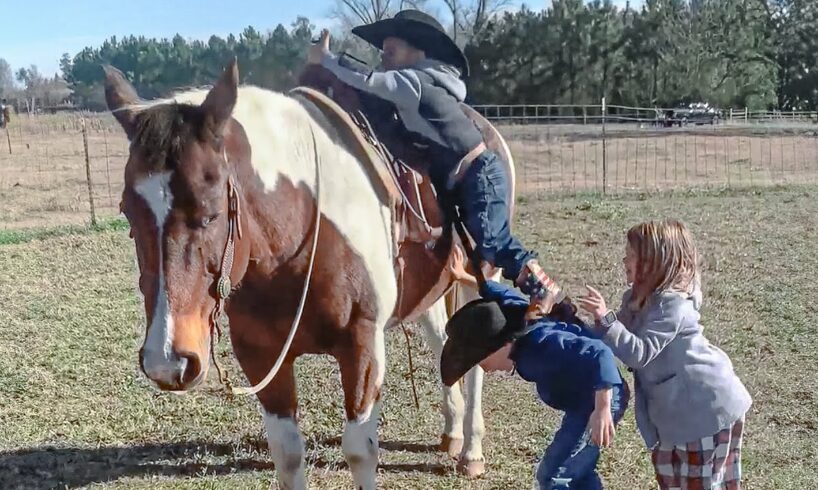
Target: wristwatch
x,y
608,319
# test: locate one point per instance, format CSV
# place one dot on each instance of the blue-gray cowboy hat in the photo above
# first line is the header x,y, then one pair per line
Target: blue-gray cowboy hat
x,y
419,29
475,332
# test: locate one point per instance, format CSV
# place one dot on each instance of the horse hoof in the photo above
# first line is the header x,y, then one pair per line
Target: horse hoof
x,y
451,446
472,469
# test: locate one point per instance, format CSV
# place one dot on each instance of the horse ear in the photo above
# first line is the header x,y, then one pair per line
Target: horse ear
x,y
219,103
120,95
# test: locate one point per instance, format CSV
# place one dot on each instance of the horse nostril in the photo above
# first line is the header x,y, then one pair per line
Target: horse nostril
x,y
192,367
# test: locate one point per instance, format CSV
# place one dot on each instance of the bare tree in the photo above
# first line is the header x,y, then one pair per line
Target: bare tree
x,y
366,11
469,17
355,12
39,90
6,77
352,13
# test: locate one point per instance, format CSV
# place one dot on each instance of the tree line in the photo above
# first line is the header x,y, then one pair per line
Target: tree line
x,y
759,54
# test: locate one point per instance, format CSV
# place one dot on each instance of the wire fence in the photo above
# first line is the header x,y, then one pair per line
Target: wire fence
x,y
60,169
560,158
69,168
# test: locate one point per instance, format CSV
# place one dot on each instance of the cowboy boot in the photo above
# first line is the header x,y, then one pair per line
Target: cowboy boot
x,y
543,292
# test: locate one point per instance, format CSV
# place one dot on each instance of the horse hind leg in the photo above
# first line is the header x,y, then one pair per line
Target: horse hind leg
x,y
363,365
434,325
471,461
470,420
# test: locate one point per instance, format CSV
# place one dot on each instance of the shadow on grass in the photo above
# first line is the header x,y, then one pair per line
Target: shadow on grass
x,y
61,467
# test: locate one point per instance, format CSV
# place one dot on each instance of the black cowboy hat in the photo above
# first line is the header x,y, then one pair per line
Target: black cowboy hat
x,y
475,332
483,327
419,29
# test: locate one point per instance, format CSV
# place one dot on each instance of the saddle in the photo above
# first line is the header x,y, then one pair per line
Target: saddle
x,y
399,170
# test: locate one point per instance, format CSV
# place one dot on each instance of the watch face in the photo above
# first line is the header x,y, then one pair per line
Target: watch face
x,y
610,317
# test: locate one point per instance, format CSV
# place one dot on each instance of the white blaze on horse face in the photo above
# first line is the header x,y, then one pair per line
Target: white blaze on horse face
x,y
155,190
286,449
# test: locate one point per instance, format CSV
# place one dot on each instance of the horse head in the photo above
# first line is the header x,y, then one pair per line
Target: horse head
x,y
181,201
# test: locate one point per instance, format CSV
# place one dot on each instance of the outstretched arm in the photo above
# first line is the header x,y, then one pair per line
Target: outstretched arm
x,y
401,87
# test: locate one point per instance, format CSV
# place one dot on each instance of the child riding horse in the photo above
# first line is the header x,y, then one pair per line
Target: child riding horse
x,y
420,77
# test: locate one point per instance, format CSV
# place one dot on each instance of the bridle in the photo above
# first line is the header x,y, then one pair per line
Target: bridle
x,y
224,285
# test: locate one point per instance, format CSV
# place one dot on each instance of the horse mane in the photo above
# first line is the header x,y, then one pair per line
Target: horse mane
x,y
166,126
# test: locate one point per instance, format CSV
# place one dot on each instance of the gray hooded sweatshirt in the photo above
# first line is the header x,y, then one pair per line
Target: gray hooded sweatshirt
x,y
686,388
427,98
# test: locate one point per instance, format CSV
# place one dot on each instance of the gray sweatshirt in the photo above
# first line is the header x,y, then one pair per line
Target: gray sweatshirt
x,y
427,97
686,388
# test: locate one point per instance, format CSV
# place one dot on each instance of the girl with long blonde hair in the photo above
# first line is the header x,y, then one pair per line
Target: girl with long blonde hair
x,y
690,405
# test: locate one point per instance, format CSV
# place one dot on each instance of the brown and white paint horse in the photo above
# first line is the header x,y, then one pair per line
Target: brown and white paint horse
x,y
185,153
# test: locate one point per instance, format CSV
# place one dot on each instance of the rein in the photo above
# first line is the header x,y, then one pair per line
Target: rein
x,y
252,390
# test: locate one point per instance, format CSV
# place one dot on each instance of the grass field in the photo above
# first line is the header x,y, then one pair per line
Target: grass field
x,y
75,411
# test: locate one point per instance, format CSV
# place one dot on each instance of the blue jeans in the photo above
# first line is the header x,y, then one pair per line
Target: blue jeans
x,y
482,199
570,461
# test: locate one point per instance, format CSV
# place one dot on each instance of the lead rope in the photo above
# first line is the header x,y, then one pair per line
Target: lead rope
x,y
411,373
274,370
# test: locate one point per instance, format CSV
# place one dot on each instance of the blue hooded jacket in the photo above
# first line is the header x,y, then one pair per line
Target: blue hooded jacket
x,y
566,361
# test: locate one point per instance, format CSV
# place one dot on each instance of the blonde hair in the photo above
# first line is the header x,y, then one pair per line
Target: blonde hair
x,y
666,257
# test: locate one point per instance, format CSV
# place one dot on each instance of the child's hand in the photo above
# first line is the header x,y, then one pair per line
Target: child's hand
x,y
457,264
593,303
602,427
318,50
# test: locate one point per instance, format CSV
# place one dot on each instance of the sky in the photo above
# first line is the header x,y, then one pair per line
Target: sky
x,y
39,31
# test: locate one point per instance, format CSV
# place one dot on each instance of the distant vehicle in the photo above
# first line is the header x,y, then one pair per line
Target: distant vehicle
x,y
694,113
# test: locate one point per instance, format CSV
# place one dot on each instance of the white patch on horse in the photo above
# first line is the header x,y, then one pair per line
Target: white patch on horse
x,y
359,444
286,449
155,190
280,130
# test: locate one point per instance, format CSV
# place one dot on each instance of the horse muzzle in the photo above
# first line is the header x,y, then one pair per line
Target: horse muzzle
x,y
180,371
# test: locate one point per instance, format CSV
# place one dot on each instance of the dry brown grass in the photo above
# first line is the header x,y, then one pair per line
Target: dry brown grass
x,y
569,158
43,181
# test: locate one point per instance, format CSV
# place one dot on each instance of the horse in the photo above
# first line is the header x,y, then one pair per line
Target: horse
x,y
246,201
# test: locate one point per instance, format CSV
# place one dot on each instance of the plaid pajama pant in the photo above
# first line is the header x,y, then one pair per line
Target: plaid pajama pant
x,y
711,463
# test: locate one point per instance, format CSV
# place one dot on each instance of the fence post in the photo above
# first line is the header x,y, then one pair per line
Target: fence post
x,y
604,157
8,137
88,173
731,114
584,115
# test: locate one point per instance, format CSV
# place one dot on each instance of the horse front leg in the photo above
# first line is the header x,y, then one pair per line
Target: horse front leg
x,y
279,403
363,365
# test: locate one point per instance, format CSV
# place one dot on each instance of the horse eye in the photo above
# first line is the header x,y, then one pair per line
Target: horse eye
x,y
207,220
